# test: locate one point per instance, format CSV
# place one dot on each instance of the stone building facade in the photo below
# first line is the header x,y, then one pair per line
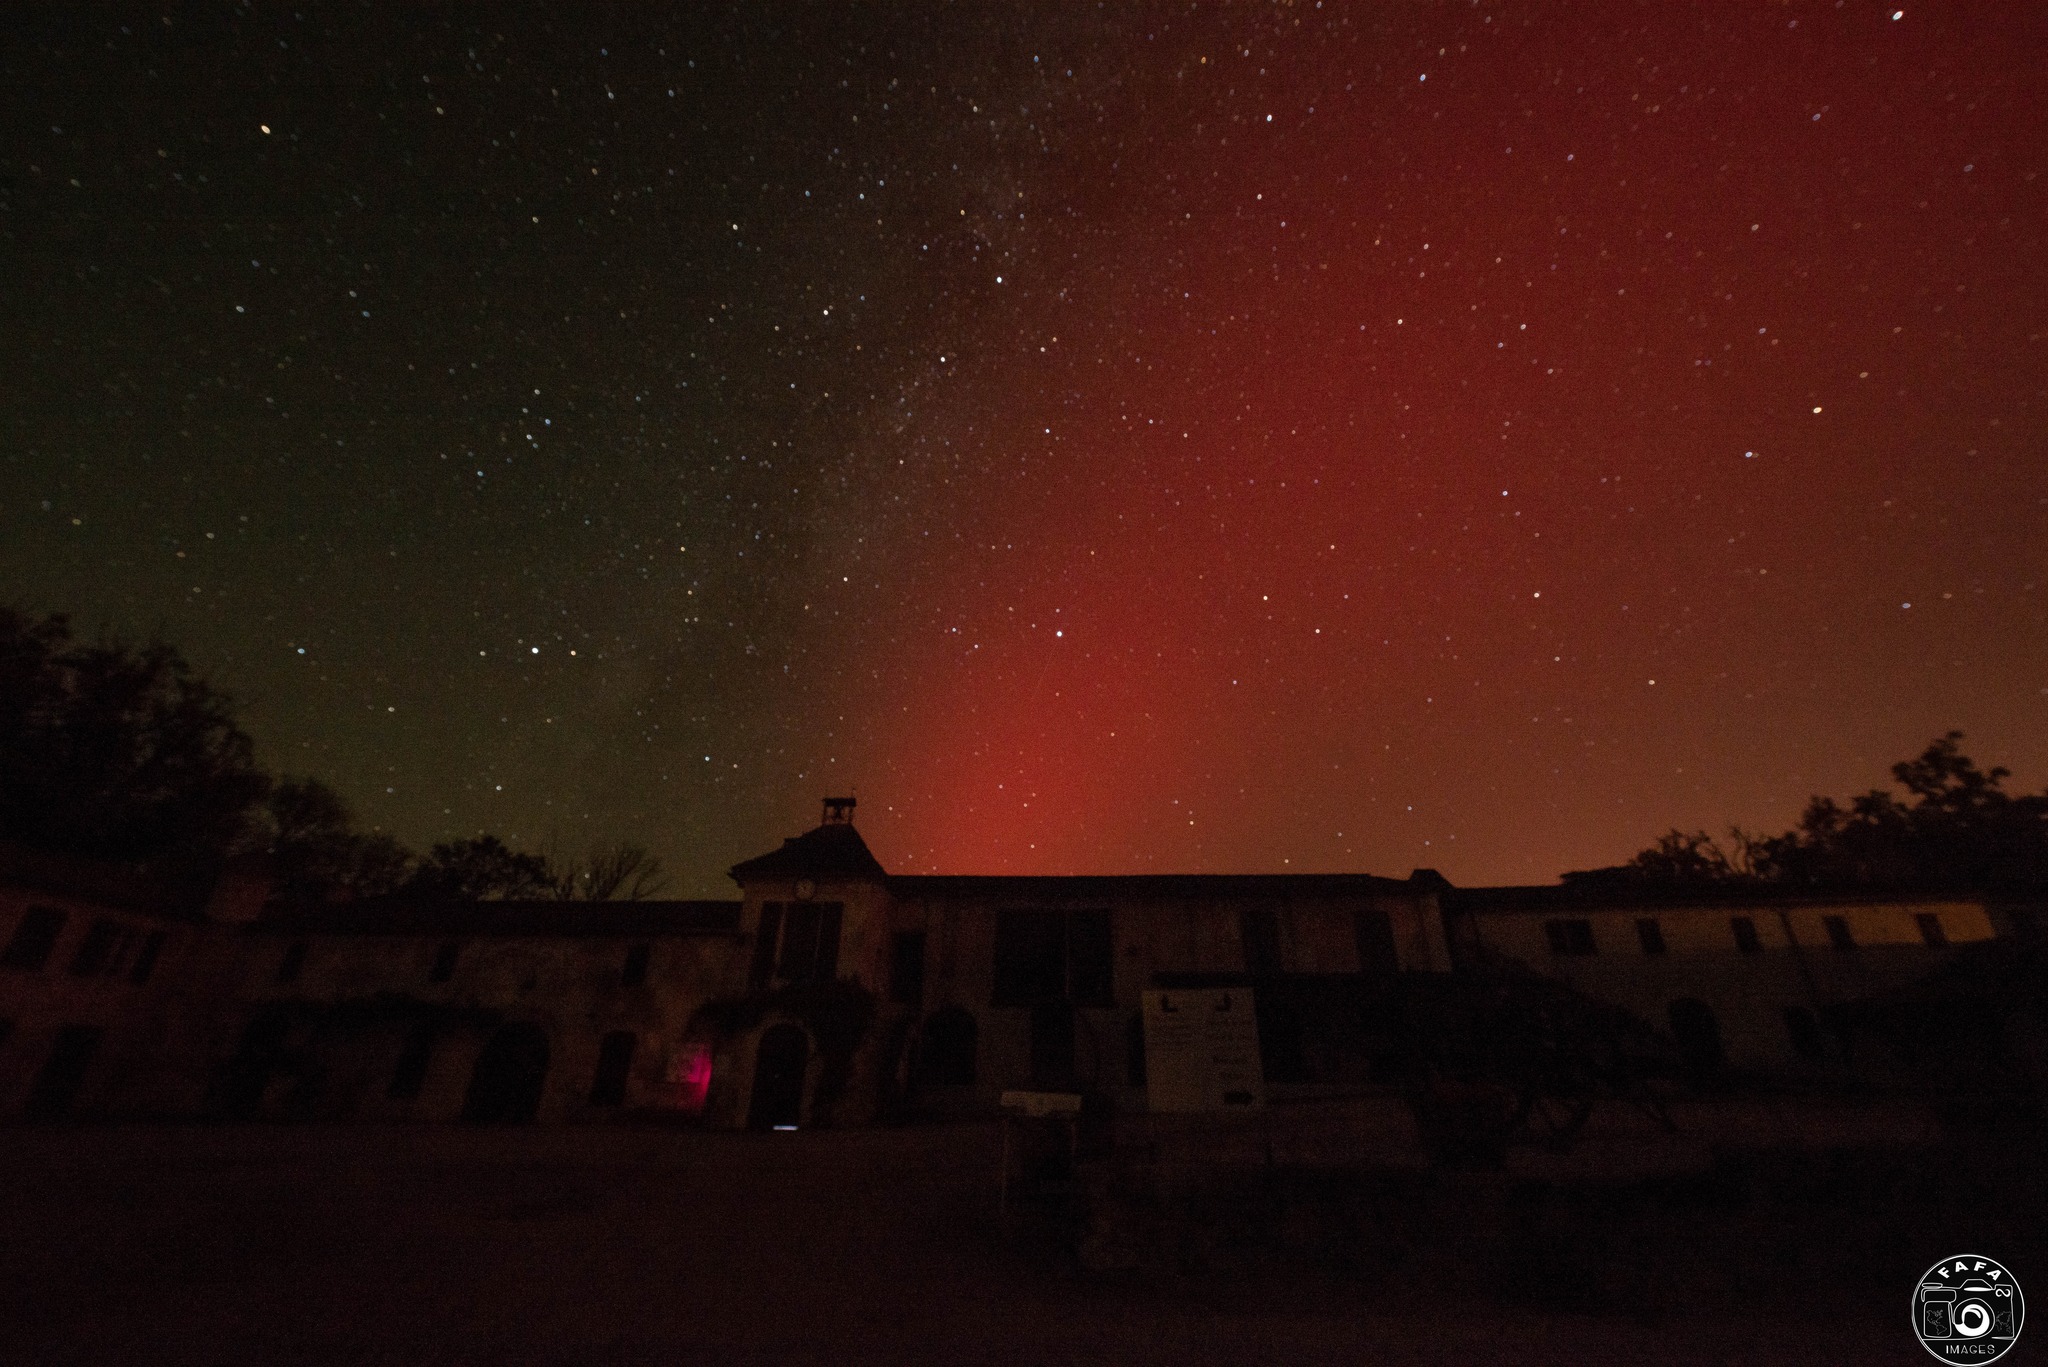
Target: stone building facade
x,y
831,991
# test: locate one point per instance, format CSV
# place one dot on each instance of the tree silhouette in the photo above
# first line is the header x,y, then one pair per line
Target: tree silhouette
x,y
117,752
483,869
1957,828
318,855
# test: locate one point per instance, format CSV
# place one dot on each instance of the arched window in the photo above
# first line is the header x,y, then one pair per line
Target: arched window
x,y
945,1054
1698,1035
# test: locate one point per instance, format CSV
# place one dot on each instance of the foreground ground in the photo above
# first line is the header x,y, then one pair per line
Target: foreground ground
x,y
232,1245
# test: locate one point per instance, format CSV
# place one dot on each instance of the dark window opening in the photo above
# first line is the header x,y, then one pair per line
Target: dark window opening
x,y
293,962
1373,929
765,939
1745,934
1052,1045
1931,929
1651,933
810,943
614,1066
906,967
505,1086
1091,959
410,1076
1838,932
945,1055
444,962
1259,928
63,1072
826,966
96,948
1569,936
1698,1035
145,959
1805,1031
1054,956
35,935
634,973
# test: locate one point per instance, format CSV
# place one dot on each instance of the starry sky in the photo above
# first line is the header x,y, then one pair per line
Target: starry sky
x,y
1211,438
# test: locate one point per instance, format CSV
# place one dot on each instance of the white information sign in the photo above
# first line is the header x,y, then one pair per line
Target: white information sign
x,y
1202,1050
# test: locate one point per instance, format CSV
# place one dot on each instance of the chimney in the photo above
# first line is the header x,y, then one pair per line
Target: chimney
x,y
839,811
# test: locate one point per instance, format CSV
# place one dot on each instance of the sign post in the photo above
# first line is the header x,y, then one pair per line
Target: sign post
x,y
1202,1051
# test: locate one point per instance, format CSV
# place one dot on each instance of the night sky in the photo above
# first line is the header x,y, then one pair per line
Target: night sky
x,y
1169,438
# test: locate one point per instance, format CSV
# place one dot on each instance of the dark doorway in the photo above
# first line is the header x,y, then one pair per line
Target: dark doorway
x,y
257,1058
946,1054
1052,1045
614,1065
1698,1035
779,1064
63,1072
505,1087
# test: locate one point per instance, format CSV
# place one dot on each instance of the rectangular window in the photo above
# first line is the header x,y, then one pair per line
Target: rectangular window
x,y
1259,928
1373,929
799,942
1745,934
1838,932
96,948
634,972
765,940
831,916
1054,956
35,935
906,967
293,962
444,962
1091,959
1572,936
145,960
1931,930
1031,952
1651,934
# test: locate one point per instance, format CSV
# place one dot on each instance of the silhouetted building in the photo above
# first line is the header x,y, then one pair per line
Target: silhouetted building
x,y
832,990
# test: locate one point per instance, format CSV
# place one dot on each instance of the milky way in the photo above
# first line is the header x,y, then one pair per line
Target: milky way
x,y
1298,437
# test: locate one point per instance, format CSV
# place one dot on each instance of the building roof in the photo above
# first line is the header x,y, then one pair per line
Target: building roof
x,y
1150,885
1554,898
833,850
416,916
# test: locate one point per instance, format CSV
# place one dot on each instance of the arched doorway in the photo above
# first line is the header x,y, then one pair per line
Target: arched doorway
x,y
1698,1035
779,1064
505,1087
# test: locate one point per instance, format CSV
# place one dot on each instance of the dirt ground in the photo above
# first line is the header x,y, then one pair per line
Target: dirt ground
x,y
308,1245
